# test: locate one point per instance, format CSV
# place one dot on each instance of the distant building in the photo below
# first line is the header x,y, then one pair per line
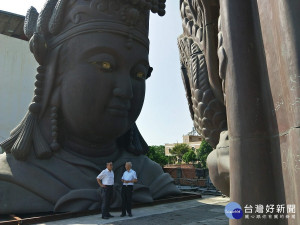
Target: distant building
x,y
191,139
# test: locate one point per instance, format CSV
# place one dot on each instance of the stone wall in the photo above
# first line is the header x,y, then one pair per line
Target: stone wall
x,y
187,174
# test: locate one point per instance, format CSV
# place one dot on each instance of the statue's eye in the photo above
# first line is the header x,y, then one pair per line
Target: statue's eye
x,y
103,62
139,72
140,75
104,66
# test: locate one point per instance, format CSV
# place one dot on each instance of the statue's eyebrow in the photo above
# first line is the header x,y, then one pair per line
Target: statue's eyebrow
x,y
98,51
102,57
143,62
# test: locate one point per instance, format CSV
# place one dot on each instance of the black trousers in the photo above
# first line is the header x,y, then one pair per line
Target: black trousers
x,y
126,198
106,198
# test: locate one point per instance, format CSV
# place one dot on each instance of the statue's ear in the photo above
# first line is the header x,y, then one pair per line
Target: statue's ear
x,y
132,141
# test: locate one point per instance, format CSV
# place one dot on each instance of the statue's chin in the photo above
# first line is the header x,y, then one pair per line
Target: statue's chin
x,y
103,131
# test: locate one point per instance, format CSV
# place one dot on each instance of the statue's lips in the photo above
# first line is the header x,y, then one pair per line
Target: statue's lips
x,y
118,110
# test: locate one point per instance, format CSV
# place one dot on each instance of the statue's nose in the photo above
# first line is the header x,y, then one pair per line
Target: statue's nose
x,y
123,88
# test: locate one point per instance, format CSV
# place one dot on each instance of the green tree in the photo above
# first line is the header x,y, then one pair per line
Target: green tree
x,y
202,152
172,159
157,154
180,149
189,156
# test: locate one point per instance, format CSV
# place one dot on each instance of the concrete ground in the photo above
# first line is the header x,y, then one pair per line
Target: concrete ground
x,y
206,211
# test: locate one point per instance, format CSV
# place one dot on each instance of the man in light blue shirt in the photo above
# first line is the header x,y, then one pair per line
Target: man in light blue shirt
x,y
129,178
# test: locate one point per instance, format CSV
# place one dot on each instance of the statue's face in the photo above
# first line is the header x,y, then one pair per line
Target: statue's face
x,y
103,86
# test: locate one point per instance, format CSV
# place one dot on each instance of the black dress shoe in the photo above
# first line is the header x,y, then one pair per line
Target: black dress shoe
x,y
109,215
129,214
105,217
122,215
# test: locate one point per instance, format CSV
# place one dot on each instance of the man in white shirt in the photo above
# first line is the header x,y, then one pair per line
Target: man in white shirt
x,y
106,181
129,178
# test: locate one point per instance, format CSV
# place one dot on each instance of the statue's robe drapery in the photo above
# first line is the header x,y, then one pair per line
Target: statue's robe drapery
x,y
67,182
262,42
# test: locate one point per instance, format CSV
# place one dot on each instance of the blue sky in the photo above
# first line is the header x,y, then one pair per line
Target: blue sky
x,y
165,116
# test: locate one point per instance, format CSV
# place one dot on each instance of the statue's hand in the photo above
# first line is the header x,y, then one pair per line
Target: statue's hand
x,y
218,165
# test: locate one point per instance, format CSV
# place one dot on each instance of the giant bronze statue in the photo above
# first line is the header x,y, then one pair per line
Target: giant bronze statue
x,y
90,87
247,52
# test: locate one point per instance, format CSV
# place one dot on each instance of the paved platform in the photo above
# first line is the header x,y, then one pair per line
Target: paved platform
x,y
206,211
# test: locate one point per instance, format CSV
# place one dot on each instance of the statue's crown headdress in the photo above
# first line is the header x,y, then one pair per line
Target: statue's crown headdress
x,y
60,20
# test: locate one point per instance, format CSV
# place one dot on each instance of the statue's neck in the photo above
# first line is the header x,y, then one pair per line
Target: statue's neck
x,y
89,149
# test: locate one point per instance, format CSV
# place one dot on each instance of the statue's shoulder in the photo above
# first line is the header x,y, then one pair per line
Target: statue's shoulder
x,y
4,166
15,183
8,164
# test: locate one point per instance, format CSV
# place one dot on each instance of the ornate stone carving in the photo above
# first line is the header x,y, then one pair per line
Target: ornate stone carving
x,y
222,58
201,84
203,67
